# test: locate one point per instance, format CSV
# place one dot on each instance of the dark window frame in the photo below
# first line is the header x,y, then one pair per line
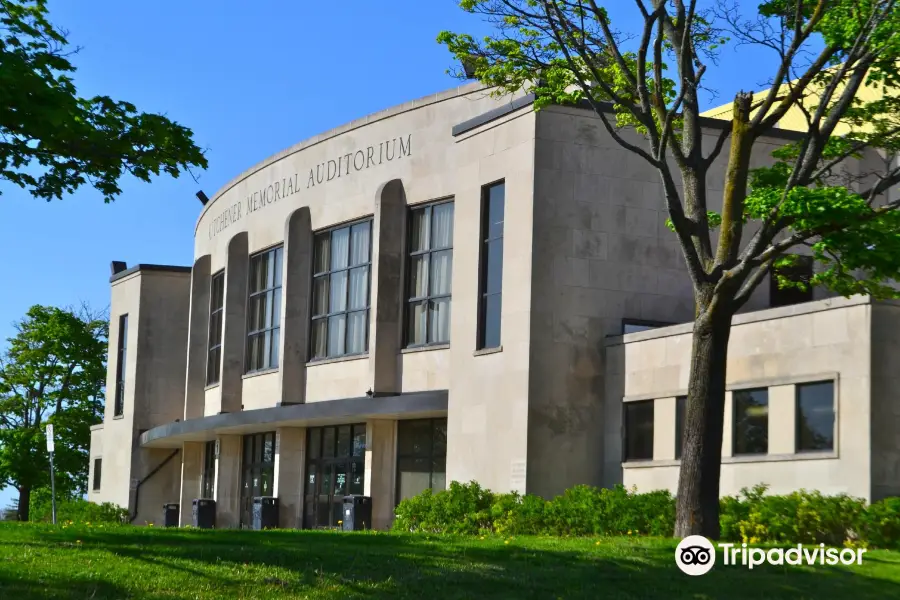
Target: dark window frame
x,y
429,251
208,483
431,456
483,266
798,414
216,322
97,475
253,445
625,428
121,359
274,287
680,415
803,270
326,274
734,422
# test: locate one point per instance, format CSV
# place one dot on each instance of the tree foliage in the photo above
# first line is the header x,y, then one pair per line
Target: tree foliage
x,y
53,371
813,197
52,141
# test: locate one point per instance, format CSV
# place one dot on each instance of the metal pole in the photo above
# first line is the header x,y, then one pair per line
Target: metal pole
x,y
52,489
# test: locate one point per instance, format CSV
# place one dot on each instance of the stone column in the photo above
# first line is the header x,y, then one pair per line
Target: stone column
x,y
234,336
228,482
290,465
295,306
387,277
198,339
381,466
664,433
191,480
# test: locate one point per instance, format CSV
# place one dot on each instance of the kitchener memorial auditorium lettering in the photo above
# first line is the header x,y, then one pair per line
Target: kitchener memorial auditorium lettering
x,y
320,174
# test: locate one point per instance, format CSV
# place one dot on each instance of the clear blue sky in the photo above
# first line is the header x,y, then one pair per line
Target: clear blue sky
x,y
250,79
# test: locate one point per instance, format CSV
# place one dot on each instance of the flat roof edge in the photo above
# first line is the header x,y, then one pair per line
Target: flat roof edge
x,y
147,267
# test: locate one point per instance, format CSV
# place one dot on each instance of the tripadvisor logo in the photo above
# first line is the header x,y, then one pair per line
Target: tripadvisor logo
x,y
696,555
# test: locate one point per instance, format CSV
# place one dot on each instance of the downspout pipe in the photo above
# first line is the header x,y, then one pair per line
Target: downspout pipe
x,y
137,488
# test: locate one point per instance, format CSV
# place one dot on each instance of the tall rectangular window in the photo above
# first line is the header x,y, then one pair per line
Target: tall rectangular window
x,y
98,464
121,357
216,305
340,306
430,268
815,416
491,269
801,271
265,310
421,456
209,470
639,430
680,406
751,421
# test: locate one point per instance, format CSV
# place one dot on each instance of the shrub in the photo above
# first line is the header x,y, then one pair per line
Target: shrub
x,y
78,510
752,517
806,517
880,524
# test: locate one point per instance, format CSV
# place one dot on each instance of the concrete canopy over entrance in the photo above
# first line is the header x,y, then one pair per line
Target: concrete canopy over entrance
x,y
402,406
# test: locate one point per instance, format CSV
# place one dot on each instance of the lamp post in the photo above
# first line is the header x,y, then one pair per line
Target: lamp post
x,y
52,478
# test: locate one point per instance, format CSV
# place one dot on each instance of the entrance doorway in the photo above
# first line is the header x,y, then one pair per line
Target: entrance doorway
x,y
257,472
335,466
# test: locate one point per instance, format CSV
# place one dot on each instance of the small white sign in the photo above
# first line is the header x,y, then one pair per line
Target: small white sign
x,y
49,437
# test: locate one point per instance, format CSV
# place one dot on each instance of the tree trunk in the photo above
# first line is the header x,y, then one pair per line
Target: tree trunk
x,y
697,510
22,511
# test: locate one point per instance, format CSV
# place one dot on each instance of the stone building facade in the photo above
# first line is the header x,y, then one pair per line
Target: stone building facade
x,y
461,288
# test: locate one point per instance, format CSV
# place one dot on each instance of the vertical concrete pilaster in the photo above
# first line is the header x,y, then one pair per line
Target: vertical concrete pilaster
x,y
387,277
782,419
228,482
198,339
290,464
191,475
295,306
235,327
664,429
380,470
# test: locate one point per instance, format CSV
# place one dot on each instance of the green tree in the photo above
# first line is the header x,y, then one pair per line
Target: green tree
x,y
53,371
647,81
51,140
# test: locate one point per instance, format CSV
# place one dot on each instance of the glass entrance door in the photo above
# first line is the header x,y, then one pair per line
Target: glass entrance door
x,y
334,469
257,472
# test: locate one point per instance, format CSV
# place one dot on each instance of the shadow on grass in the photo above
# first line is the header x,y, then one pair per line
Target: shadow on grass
x,y
397,566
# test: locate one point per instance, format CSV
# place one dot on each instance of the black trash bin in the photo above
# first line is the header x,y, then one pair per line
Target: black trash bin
x,y
357,513
265,513
204,513
170,515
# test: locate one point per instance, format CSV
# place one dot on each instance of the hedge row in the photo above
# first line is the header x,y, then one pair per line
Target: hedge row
x,y
752,517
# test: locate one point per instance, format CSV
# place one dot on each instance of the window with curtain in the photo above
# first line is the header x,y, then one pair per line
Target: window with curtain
x,y
491,284
121,359
421,456
216,305
430,269
340,307
264,309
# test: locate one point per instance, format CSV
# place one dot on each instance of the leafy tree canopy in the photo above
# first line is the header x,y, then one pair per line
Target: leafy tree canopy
x,y
53,371
52,141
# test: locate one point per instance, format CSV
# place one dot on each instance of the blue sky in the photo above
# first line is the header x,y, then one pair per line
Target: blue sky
x,y
250,79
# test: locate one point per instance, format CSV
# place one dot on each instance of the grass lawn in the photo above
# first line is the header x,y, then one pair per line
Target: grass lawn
x,y
43,562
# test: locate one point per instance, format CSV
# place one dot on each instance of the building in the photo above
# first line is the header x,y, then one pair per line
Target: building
x,y
311,351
